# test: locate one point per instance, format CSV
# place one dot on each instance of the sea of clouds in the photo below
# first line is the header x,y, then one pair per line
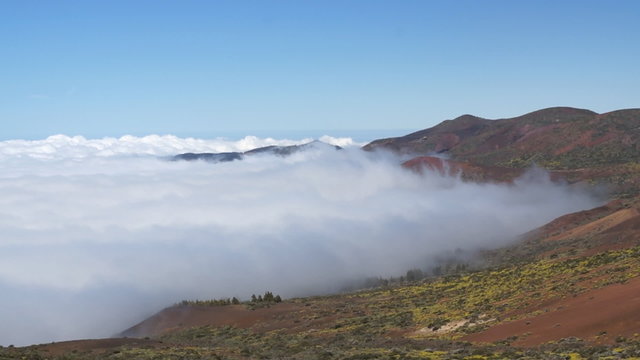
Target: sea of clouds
x,y
78,147
97,234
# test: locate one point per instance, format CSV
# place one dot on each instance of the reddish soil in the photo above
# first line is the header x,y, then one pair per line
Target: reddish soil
x,y
95,345
616,221
566,222
183,317
466,171
600,315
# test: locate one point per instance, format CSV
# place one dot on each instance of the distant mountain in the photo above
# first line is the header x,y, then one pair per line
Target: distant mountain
x,y
210,157
272,150
557,138
580,144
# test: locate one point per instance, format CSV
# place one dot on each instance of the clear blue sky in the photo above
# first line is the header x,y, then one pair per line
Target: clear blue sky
x,y
201,68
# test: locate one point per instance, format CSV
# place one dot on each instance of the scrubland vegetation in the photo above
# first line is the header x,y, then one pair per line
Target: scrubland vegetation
x,y
425,319
260,300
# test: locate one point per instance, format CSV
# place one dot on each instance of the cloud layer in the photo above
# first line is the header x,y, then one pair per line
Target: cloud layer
x,y
95,236
78,147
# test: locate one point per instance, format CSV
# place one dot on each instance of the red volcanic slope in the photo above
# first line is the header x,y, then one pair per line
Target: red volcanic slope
x,y
183,317
466,171
599,315
558,138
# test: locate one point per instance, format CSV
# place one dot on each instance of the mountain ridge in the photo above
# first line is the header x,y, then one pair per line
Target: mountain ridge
x,y
577,144
551,137
277,150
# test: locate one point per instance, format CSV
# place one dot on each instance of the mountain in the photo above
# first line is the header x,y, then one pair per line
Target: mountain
x,y
579,144
556,138
209,157
271,150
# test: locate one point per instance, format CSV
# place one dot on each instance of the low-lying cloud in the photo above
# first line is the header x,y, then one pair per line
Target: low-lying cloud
x,y
96,238
78,147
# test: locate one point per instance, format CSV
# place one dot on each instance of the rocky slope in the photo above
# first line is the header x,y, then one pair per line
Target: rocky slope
x,y
578,145
556,138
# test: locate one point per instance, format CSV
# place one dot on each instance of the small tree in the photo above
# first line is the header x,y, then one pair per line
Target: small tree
x,y
414,275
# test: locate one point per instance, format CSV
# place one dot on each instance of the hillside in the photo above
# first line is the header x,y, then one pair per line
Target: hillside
x,y
581,144
567,290
556,138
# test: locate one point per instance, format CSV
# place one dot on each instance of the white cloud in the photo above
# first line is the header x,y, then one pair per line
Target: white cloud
x,y
91,236
78,147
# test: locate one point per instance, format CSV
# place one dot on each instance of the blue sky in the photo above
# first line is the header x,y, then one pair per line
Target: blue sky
x,y
207,68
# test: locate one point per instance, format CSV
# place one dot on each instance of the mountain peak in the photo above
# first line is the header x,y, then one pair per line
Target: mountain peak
x,y
555,137
555,114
